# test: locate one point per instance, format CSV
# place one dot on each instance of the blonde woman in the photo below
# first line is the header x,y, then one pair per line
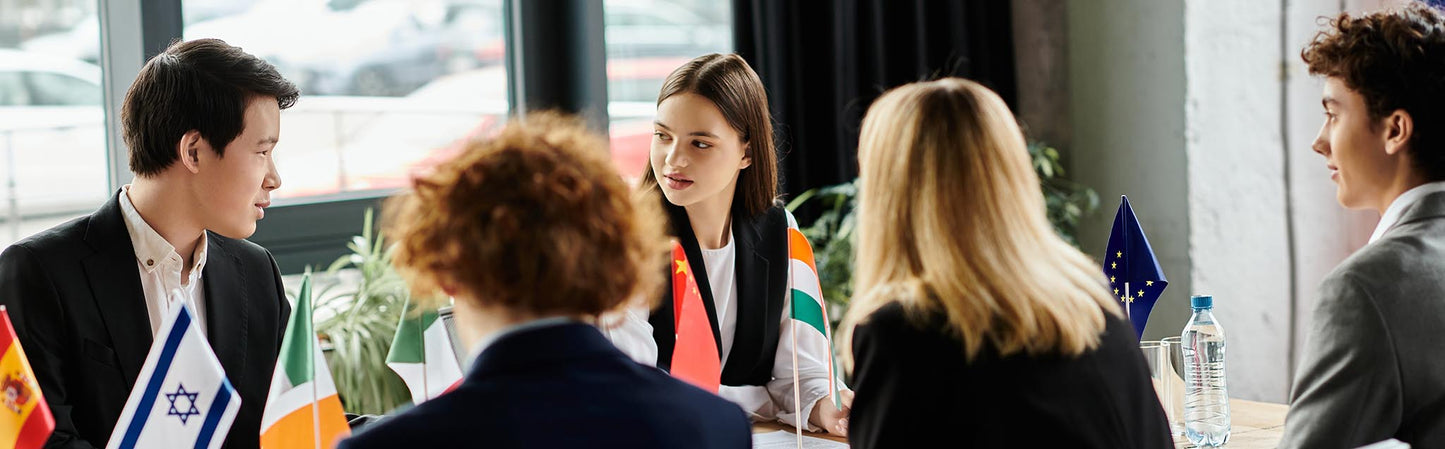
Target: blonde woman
x,y
973,317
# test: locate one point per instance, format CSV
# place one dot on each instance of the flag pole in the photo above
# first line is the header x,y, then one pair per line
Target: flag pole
x,y
1128,302
425,389
311,360
798,414
797,394
1128,314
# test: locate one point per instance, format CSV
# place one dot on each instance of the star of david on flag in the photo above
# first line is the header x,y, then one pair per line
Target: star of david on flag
x,y
181,397
190,401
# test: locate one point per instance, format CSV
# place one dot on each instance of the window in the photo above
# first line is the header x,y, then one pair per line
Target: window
x,y
13,91
52,124
646,41
389,87
56,89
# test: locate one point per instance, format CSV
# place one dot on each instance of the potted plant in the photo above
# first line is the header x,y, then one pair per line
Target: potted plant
x,y
831,233
356,317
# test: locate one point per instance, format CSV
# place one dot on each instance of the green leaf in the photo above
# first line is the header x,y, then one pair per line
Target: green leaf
x,y
793,205
361,325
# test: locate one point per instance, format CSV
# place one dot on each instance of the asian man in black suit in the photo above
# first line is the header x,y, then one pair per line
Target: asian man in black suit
x,y
200,121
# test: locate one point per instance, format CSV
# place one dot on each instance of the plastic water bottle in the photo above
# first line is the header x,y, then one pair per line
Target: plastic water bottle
x,y
1206,401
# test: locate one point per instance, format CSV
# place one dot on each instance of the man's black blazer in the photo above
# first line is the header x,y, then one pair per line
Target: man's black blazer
x,y
74,294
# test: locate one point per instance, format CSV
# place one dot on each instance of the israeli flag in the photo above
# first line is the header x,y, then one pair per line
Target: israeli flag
x,y
182,397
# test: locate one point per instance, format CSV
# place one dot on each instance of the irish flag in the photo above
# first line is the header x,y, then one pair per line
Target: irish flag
x,y
421,353
809,311
25,421
302,410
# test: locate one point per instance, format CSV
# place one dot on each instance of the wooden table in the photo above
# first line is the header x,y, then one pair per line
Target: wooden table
x,y
766,427
1253,425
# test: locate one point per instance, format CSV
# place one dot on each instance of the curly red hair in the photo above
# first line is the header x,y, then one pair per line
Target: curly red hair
x,y
535,219
1395,59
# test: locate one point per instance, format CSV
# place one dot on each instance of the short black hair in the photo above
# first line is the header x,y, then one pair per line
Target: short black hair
x,y
203,85
1395,59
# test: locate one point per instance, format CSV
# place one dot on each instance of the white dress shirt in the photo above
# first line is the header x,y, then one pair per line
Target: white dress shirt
x,y
160,269
631,333
1391,216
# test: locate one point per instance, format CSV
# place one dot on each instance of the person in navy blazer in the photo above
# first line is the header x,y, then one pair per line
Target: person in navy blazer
x,y
534,235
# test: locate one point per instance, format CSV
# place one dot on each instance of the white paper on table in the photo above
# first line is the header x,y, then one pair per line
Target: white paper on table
x,y
780,439
1387,444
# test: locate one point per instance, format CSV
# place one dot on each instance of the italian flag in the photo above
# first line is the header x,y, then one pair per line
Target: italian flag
x,y
421,353
25,420
302,410
809,311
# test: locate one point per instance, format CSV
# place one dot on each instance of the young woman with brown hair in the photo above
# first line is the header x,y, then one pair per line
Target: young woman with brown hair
x,y
714,169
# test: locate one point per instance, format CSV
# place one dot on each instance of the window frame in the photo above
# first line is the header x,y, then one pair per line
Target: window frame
x,y
314,231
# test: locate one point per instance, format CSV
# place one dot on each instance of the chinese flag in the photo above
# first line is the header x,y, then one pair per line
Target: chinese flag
x,y
695,357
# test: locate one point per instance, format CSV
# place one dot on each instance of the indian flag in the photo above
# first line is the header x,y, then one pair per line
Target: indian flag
x,y
302,410
25,420
422,355
809,311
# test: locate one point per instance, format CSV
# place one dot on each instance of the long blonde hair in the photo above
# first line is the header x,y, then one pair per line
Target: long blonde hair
x,y
952,219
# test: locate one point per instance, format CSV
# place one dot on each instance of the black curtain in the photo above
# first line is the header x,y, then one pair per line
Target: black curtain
x,y
824,62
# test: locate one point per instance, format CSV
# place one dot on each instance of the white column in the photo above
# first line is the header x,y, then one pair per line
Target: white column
x,y
1239,239
121,58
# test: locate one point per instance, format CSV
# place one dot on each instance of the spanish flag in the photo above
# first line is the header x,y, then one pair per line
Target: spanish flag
x,y
25,420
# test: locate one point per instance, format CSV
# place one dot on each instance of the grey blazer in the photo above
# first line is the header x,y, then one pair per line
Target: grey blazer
x,y
1374,364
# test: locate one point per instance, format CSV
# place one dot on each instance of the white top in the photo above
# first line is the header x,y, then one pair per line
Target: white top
x,y
630,332
160,268
721,266
1404,201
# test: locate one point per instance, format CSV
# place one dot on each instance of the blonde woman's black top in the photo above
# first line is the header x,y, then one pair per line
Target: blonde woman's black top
x,y
913,387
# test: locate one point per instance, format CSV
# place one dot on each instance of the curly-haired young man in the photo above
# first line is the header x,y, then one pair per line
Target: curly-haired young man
x,y
535,236
1371,369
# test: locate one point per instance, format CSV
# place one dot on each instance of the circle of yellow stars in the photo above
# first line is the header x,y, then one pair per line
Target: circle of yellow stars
x,y
1114,265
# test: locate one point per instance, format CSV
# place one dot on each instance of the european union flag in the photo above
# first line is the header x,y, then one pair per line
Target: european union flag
x,y
1133,272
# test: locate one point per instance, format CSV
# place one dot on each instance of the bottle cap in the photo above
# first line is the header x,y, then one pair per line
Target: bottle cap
x,y
1201,301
